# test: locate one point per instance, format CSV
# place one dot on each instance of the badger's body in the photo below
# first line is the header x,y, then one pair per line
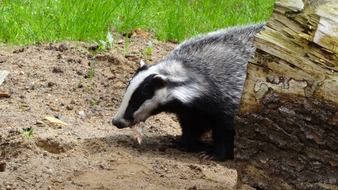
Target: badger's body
x,y
201,81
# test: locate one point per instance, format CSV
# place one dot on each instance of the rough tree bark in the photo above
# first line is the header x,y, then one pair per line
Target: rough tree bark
x,y
287,128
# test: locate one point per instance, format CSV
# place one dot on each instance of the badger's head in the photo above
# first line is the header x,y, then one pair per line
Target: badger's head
x,y
151,88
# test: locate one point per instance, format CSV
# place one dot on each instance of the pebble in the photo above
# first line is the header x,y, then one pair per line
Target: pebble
x,y
40,124
80,73
62,48
53,108
82,114
20,50
51,84
69,107
72,101
93,47
3,59
57,70
80,85
3,75
4,95
2,167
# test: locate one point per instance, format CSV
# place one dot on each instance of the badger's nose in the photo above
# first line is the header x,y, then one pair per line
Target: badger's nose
x,y
118,123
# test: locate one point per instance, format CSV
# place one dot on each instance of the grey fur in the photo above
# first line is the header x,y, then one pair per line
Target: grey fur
x,y
221,58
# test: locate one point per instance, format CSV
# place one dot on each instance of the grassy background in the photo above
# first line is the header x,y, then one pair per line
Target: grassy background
x,y
33,21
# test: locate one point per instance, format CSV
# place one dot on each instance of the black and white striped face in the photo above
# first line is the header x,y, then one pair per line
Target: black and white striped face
x,y
145,92
148,90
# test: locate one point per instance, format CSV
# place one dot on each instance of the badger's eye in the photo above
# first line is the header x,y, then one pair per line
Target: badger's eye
x,y
145,92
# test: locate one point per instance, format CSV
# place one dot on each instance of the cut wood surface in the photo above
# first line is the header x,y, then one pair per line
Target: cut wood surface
x,y
287,133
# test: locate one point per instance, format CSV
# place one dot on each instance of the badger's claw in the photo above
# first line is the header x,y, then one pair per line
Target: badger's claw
x,y
206,156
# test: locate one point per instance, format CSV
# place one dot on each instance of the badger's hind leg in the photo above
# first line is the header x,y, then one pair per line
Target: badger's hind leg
x,y
223,135
193,127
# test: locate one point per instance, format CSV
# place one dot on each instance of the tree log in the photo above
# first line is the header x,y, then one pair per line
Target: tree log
x,y
287,126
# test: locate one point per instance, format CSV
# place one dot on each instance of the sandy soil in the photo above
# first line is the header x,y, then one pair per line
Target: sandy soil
x,y
67,81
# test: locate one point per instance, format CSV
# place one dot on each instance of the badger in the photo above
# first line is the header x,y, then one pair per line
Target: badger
x,y
200,81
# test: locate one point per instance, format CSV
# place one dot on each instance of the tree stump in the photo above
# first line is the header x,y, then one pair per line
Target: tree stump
x,y
287,126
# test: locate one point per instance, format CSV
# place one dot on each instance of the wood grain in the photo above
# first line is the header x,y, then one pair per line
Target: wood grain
x,y
287,133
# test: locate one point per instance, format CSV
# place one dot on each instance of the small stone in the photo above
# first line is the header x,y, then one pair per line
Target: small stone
x,y
193,188
82,114
3,75
2,167
195,168
13,131
132,57
51,84
48,171
3,59
93,47
4,95
32,87
71,60
80,85
57,70
69,107
62,48
53,108
40,124
119,84
20,50
72,101
79,73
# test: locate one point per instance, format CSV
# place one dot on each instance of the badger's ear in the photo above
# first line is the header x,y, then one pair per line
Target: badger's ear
x,y
142,63
160,80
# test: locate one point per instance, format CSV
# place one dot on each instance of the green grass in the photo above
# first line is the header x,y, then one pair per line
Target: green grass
x,y
27,132
35,21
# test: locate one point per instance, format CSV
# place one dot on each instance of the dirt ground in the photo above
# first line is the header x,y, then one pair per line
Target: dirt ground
x,y
83,89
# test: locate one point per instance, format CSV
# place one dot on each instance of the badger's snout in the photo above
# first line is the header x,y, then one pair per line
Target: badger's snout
x,y
119,123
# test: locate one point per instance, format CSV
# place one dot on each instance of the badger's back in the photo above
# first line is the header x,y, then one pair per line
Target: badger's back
x,y
220,58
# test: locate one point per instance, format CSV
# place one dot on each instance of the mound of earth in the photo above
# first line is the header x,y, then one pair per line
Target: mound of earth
x,y
56,106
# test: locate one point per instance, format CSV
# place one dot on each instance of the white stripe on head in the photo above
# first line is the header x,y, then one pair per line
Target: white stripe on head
x,y
174,72
134,83
144,111
183,93
173,68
